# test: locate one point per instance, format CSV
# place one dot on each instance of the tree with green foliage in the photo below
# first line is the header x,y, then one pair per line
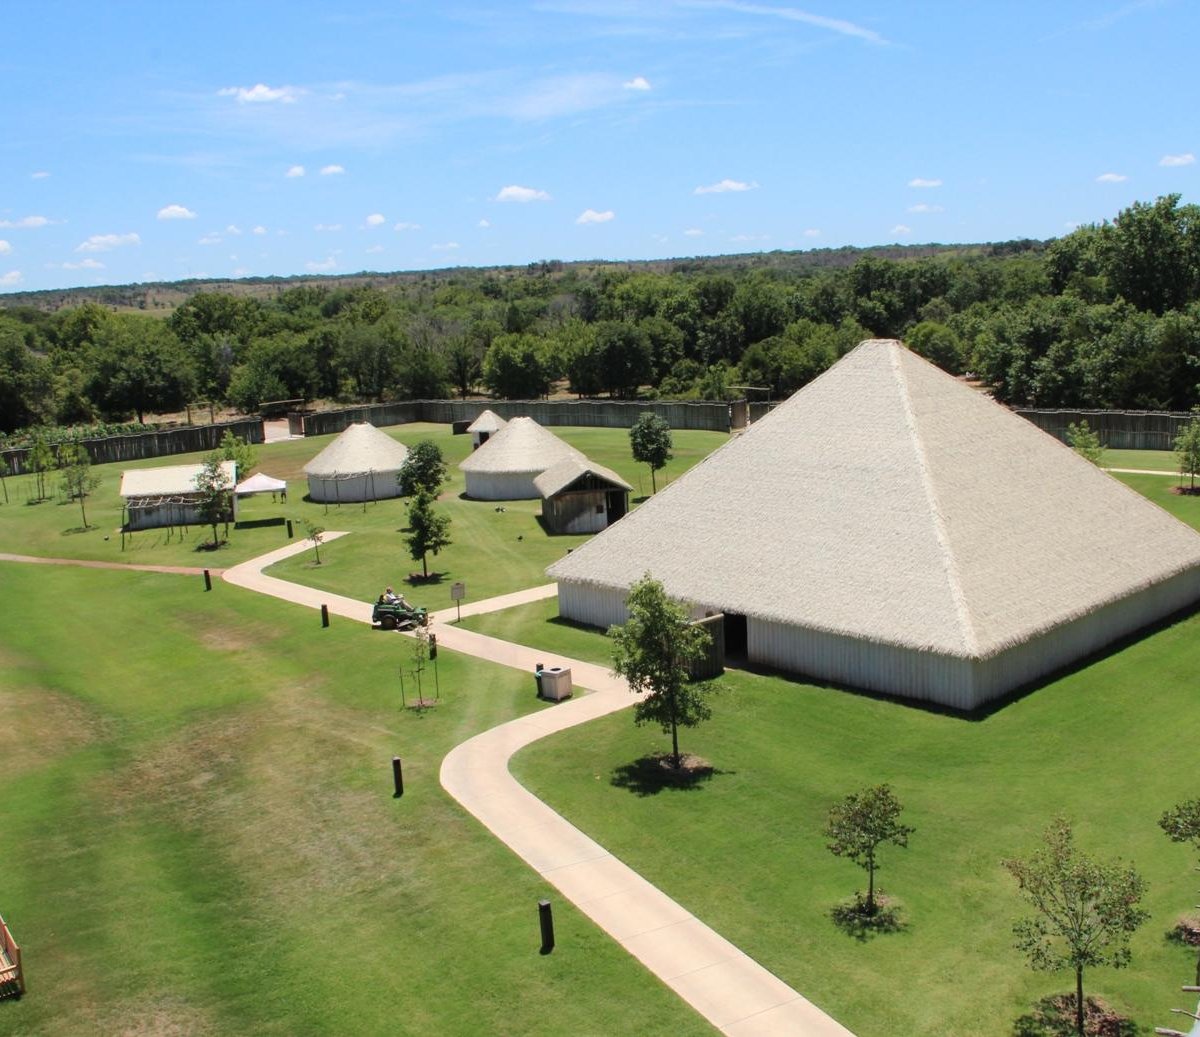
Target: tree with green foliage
x,y
424,469
428,530
650,439
1187,448
316,534
859,825
515,367
1086,910
654,651
239,451
215,494
138,365
40,460
1182,825
1084,441
77,478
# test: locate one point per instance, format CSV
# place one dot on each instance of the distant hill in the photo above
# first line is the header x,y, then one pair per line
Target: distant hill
x,y
164,296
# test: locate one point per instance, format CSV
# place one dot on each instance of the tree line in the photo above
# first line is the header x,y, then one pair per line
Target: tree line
x,y
1107,316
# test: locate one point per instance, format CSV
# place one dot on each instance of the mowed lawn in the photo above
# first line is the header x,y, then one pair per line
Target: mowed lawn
x,y
199,833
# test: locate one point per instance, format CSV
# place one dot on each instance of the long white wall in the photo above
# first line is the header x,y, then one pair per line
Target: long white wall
x,y
595,606
374,486
502,485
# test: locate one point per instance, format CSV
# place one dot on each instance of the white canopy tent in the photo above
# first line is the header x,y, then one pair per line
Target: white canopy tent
x,y
260,483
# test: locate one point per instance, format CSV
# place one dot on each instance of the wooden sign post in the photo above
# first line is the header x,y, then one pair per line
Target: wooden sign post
x,y
458,591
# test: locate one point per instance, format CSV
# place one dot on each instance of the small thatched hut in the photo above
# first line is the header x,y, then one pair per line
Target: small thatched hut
x,y
484,427
506,465
167,496
580,496
890,528
360,465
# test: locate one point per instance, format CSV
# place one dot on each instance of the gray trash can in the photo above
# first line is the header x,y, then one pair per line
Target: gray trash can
x,y
555,683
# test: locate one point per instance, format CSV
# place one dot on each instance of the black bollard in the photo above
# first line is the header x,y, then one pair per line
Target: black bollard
x,y
289,522
397,777
207,580
324,615
547,920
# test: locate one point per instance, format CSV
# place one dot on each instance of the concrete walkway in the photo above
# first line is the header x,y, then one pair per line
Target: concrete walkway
x,y
1139,471
723,984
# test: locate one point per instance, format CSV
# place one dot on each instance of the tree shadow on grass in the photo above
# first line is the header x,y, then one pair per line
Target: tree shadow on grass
x,y
853,919
77,529
1054,1016
650,775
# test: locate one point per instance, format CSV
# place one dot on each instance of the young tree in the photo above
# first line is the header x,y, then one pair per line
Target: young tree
x,y
234,448
428,531
1086,909
859,825
4,473
1187,448
40,460
424,469
1084,441
1182,825
216,493
653,652
316,534
650,438
77,478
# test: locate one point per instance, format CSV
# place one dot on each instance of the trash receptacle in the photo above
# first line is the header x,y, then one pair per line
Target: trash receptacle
x,y
555,683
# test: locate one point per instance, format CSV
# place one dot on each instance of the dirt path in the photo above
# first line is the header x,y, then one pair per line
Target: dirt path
x,y
180,570
721,982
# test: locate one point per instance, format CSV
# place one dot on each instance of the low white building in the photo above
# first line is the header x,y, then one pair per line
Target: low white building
x,y
505,467
890,528
168,496
360,465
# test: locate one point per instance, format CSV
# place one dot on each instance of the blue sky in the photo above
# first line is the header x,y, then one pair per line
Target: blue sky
x,y
159,141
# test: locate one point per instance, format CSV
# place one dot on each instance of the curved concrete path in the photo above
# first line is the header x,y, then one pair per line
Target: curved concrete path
x,y
723,984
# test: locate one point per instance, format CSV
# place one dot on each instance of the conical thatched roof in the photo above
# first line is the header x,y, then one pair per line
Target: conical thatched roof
x,y
559,476
521,446
890,502
489,421
359,449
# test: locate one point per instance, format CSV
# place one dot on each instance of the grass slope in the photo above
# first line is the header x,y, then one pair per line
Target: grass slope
x,y
200,836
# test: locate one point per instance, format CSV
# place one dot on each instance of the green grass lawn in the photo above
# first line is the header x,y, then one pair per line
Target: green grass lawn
x,y
199,834
1154,460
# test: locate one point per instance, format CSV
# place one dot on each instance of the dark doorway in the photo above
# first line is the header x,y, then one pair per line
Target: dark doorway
x,y
735,635
616,505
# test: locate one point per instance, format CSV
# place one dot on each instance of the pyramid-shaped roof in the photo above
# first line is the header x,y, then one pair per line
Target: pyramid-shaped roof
x,y
888,501
562,474
359,449
521,446
488,421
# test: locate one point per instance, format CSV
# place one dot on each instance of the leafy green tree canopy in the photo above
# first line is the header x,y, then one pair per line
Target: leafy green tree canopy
x,y
424,470
860,824
428,530
650,440
1085,441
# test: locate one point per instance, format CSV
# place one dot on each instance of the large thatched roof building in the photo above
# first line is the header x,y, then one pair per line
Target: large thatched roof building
x,y
360,465
890,528
505,467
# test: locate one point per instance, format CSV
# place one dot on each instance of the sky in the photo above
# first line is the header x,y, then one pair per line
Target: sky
x,y
163,141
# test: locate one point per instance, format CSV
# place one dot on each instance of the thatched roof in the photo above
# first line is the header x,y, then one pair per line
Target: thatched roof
x,y
176,480
361,448
560,476
489,421
888,501
521,446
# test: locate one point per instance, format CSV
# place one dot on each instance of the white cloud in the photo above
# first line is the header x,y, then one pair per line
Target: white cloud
x,y
107,242
1177,160
332,170
26,221
84,264
376,219
448,246
233,229
333,227
260,93
793,14
5,247
1111,178
294,171
484,224
11,278
176,212
693,232
402,226
900,230
209,239
41,174
723,186
925,207
374,249
517,193
260,229
920,181
316,266
637,83
592,216
812,232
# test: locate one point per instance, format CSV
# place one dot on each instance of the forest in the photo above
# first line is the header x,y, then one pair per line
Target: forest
x,y
1107,316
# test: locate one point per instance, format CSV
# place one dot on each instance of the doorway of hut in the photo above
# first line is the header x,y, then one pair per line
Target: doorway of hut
x,y
735,636
617,502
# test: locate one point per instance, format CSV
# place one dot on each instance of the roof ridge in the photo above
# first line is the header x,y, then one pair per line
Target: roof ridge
x,y
957,593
